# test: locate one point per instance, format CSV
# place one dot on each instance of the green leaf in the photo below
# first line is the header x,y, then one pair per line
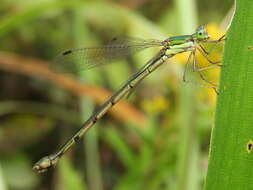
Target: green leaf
x,y
70,178
230,164
121,147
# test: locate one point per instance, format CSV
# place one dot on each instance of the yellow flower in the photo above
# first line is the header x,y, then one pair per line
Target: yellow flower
x,y
157,105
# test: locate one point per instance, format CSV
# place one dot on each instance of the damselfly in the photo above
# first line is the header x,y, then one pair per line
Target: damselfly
x,y
90,57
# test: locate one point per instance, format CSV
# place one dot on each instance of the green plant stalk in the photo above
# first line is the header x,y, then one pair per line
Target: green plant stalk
x,y
188,152
94,175
2,180
230,165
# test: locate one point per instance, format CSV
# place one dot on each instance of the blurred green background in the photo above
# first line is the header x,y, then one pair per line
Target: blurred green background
x,y
158,138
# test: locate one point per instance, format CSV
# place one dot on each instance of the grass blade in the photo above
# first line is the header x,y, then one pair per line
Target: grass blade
x,y
230,165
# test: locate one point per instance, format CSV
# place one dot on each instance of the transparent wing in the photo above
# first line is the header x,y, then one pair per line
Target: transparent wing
x,y
75,60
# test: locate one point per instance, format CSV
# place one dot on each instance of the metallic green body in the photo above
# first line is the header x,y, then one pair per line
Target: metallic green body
x,y
177,40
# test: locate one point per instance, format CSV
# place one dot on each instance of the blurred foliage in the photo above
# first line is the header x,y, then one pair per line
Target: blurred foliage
x,y
136,148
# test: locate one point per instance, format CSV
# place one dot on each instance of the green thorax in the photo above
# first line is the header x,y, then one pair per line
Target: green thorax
x,y
177,40
199,36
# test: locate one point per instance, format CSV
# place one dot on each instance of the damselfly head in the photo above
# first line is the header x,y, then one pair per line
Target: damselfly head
x,y
201,34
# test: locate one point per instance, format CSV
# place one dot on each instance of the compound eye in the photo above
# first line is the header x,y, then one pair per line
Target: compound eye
x,y
200,33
